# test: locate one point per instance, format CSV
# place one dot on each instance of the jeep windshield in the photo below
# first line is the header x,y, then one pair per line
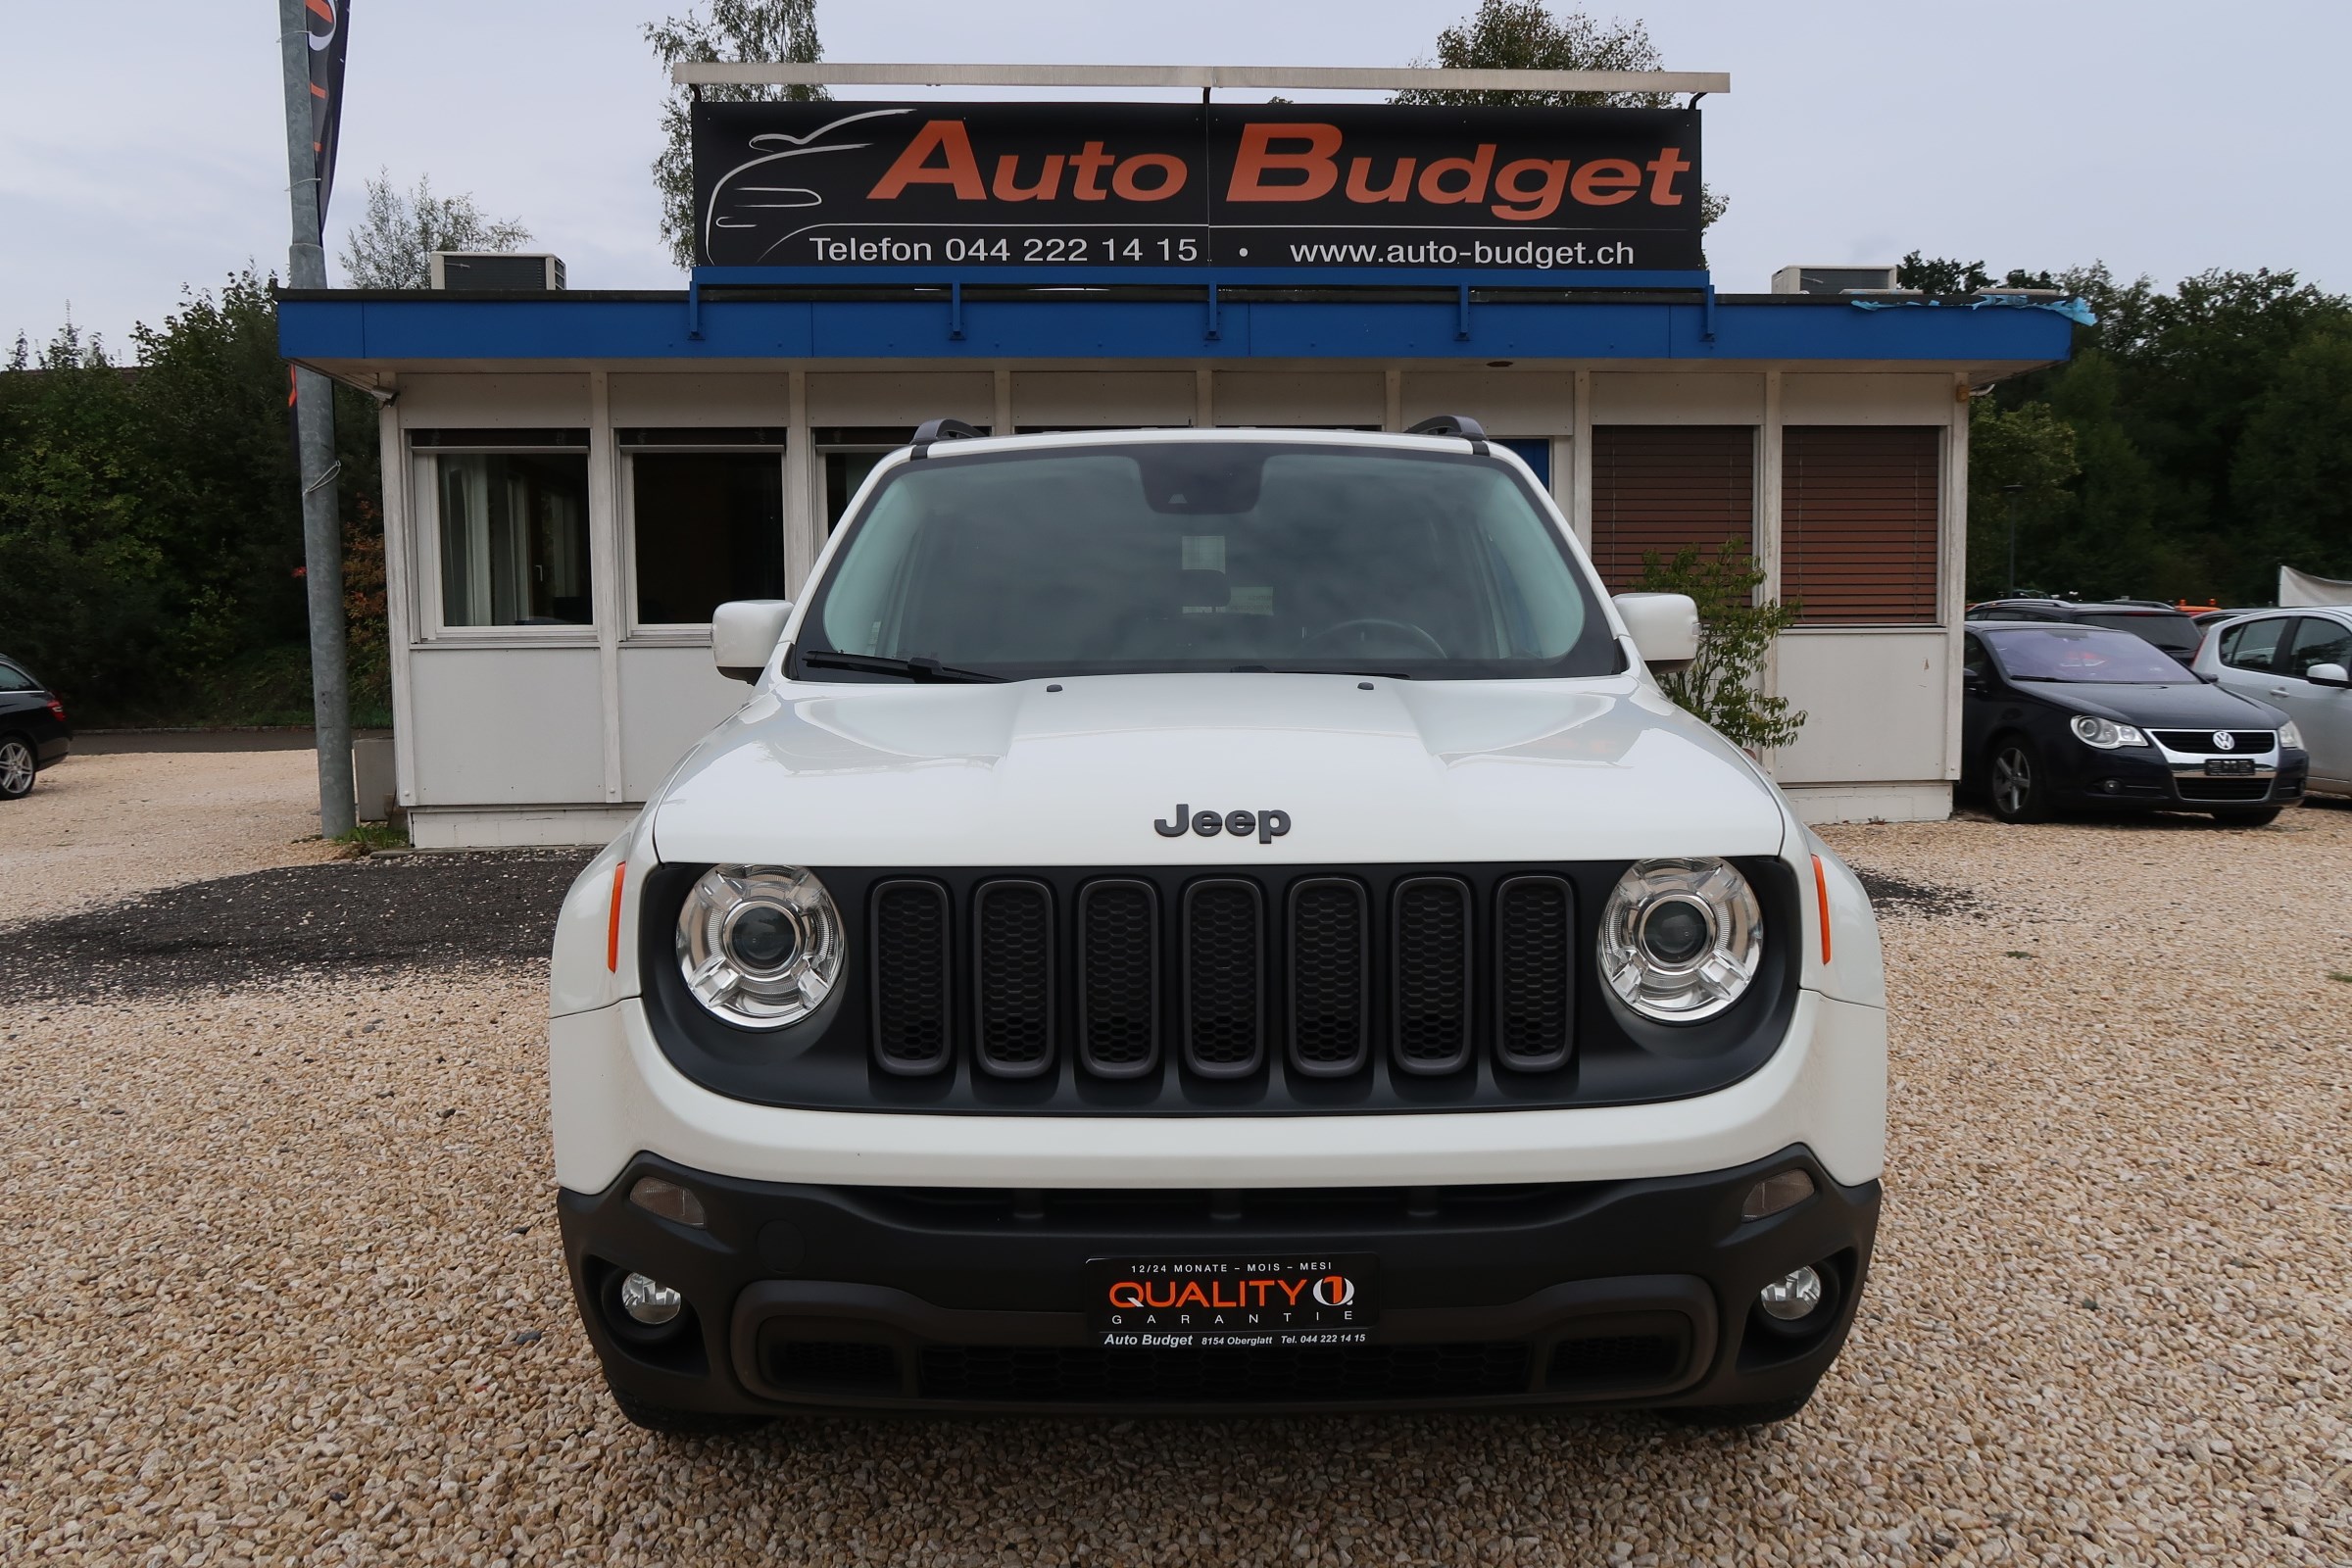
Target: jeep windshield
x,y
1141,557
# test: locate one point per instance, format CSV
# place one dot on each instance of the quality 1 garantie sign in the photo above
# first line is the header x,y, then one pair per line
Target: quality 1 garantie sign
x,y
1103,185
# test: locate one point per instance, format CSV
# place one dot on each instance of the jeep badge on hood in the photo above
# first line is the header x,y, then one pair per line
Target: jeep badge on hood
x,y
1267,825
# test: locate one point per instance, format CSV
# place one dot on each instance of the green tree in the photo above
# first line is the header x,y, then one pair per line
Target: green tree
x,y
2291,480
150,537
1940,275
1722,684
2031,448
1524,35
392,244
779,30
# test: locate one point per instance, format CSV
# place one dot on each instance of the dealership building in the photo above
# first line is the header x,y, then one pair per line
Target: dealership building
x,y
573,477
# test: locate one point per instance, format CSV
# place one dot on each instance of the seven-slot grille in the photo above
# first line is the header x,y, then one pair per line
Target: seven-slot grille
x,y
2203,742
1246,971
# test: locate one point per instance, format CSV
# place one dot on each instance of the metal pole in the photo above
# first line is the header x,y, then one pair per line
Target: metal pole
x,y
315,428
2013,491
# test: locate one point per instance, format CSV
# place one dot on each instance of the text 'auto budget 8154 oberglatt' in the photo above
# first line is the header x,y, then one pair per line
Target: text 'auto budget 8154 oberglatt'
x,y
1214,921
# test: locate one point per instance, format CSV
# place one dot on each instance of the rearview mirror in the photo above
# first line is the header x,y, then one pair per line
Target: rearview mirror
x,y
2327,675
744,633
1664,628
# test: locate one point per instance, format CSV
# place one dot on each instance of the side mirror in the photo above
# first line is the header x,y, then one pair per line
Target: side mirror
x,y
744,633
1664,628
2327,675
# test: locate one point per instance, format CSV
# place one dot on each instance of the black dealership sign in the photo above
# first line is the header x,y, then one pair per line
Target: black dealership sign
x,y
1101,185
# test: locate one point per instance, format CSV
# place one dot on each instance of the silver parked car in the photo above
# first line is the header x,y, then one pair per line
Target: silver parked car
x,y
2297,661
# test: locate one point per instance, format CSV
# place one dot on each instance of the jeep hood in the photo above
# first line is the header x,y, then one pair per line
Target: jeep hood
x,y
1076,772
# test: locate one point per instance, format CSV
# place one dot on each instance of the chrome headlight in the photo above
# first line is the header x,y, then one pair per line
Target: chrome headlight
x,y
2105,733
760,945
1681,940
2289,735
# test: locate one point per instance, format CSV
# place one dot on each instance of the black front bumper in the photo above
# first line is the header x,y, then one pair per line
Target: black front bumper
x,y
1636,1292
2151,781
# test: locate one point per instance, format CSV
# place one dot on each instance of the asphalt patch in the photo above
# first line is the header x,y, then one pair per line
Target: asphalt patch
x,y
1893,895
494,907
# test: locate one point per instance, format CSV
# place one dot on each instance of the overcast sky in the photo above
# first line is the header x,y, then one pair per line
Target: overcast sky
x,y
2159,135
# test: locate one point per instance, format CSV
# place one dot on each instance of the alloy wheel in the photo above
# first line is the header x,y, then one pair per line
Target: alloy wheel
x,y
16,767
2012,781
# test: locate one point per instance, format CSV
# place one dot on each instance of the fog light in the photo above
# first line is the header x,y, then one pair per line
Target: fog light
x,y
1794,1295
1783,1190
670,1201
654,1304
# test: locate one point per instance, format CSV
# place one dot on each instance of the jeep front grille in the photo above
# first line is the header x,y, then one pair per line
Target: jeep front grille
x,y
1249,965
1013,931
910,945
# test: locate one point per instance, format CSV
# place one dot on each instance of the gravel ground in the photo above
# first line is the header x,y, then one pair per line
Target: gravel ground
x,y
387,912
285,1287
96,827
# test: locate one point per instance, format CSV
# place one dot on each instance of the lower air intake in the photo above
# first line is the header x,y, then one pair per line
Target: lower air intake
x,y
1223,1374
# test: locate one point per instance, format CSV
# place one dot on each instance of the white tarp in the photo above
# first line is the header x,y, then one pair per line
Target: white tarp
x,y
2296,588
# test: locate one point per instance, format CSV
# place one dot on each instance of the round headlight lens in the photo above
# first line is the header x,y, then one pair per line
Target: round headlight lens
x,y
1681,940
2105,733
760,945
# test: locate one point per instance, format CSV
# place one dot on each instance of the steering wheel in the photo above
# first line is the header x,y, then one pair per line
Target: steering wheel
x,y
1434,649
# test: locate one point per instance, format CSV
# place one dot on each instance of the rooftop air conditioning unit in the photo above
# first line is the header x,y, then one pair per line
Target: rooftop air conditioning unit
x,y
507,270
1834,280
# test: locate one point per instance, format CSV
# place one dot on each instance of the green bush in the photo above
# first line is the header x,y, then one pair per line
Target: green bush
x,y
1735,636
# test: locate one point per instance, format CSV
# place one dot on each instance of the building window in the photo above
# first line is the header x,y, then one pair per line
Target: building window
x,y
1536,453
513,535
1660,488
706,527
1859,541
846,455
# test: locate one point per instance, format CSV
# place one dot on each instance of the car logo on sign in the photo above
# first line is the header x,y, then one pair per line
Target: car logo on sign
x,y
2224,741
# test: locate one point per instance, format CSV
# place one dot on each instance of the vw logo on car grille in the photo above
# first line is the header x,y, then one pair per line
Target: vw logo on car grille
x,y
2224,741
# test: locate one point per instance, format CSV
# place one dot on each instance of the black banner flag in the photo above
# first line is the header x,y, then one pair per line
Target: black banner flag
x,y
329,26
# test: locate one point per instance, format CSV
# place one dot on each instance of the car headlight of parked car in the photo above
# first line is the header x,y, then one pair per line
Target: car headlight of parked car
x,y
2105,733
1680,939
760,945
2289,735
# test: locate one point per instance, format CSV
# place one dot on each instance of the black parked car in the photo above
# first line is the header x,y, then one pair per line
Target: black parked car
x,y
2164,625
34,733
2055,716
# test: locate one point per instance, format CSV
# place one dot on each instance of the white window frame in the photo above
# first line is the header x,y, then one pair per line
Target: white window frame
x,y
424,530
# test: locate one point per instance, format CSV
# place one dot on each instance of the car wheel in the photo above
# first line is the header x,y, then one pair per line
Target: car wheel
x,y
16,767
2016,781
1731,1417
677,1423
2261,817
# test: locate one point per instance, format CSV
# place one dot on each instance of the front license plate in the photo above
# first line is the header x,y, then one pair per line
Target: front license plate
x,y
1179,1302
2229,764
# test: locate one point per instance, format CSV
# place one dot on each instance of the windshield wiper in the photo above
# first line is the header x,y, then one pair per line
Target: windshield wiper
x,y
914,669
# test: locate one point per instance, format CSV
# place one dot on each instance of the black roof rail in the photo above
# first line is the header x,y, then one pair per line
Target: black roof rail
x,y
931,430
1460,424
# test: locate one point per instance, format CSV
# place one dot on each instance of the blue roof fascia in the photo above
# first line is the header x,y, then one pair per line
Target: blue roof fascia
x,y
585,328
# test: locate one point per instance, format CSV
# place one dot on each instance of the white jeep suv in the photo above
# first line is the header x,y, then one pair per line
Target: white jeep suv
x,y
1226,921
